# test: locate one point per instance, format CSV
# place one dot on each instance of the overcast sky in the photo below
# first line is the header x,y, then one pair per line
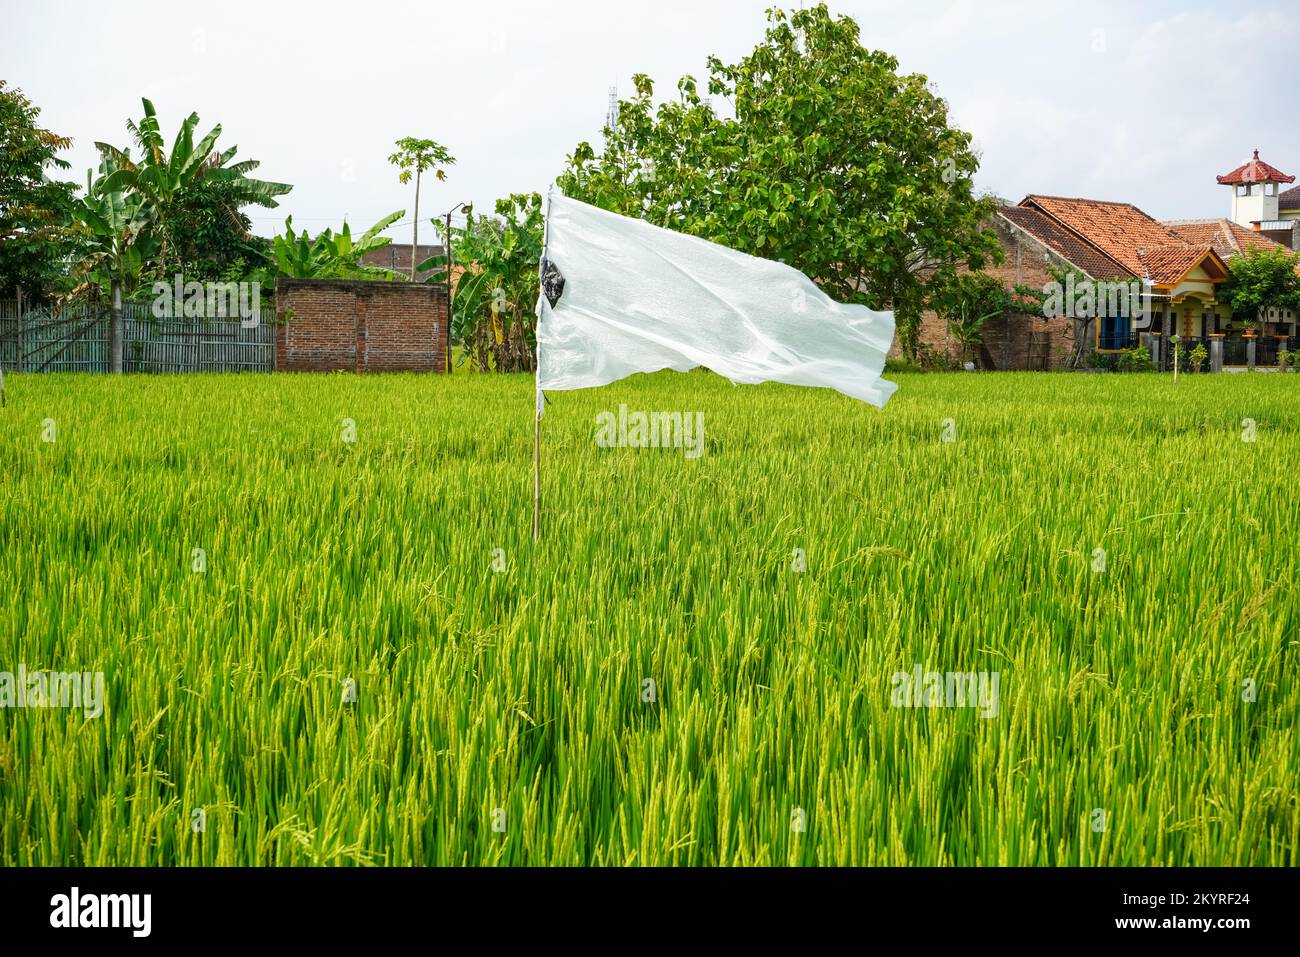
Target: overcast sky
x,y
1137,102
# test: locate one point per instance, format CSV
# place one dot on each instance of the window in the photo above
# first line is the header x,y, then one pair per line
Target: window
x,y
1112,332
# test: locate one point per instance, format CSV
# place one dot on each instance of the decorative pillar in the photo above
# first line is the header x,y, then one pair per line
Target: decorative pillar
x,y
1250,353
1216,352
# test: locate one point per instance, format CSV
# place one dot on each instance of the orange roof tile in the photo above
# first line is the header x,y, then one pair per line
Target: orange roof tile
x,y
1167,265
1117,229
1228,238
1061,241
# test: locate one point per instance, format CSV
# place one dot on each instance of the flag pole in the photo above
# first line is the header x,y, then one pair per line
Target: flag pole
x,y
537,470
541,399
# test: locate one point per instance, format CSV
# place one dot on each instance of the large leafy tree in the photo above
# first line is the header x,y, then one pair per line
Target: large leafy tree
x,y
1263,279
179,183
213,236
834,163
36,238
415,157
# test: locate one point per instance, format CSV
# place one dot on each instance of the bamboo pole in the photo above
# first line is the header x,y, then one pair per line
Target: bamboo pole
x,y
537,470
541,399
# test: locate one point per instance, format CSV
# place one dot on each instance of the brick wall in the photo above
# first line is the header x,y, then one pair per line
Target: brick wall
x,y
1007,339
360,326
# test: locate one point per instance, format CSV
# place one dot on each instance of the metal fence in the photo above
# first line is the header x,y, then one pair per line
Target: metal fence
x,y
75,339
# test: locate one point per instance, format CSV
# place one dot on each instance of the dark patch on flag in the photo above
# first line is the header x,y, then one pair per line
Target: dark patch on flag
x,y
552,282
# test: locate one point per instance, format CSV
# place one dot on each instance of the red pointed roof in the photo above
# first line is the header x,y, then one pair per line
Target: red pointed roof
x,y
1254,170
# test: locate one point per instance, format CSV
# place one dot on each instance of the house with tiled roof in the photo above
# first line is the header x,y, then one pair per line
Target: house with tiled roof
x,y
1288,208
1178,277
1179,267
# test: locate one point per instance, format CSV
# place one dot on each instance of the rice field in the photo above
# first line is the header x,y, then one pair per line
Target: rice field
x,y
369,662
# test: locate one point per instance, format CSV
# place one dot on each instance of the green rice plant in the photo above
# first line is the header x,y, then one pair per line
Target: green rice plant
x,y
327,637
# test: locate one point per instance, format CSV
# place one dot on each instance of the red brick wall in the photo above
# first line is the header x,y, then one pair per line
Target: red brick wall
x,y
361,326
1006,340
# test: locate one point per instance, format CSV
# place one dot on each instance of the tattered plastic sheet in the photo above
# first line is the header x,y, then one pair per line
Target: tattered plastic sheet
x,y
622,296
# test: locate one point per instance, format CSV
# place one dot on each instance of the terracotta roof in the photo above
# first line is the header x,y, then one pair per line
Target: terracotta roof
x,y
1290,199
1166,265
1255,170
1061,241
1117,229
1228,238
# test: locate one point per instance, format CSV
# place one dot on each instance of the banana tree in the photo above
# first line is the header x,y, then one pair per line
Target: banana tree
x,y
164,178
332,255
114,230
496,286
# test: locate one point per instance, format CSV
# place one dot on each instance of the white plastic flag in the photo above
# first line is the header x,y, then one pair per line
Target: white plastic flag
x,y
622,296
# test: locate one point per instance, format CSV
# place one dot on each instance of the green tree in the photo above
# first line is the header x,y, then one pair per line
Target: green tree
x,y
496,289
36,234
191,176
414,157
1262,279
835,163
213,236
331,255
117,239
966,302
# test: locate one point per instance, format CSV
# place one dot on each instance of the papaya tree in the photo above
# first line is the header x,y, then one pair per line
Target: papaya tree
x,y
414,157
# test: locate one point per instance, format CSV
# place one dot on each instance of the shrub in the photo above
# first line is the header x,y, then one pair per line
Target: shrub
x,y
1135,360
1198,357
1106,361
